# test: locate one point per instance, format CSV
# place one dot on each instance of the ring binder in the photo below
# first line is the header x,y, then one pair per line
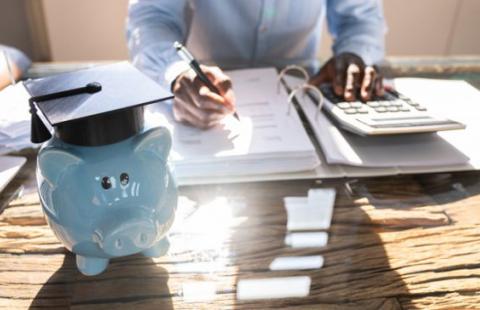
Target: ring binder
x,y
284,71
303,87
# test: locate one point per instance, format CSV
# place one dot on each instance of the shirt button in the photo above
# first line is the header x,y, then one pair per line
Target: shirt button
x,y
263,28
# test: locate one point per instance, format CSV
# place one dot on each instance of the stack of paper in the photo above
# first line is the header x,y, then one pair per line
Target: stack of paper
x,y
402,151
266,140
14,119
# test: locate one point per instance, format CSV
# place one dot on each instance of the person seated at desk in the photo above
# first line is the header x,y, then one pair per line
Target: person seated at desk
x,y
253,33
19,64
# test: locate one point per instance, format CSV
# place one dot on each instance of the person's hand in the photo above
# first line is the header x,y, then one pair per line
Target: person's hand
x,y
195,104
350,77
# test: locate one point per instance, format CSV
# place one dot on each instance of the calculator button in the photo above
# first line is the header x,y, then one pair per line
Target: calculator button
x,y
420,108
344,105
381,109
385,103
392,109
356,104
350,111
362,110
397,103
373,104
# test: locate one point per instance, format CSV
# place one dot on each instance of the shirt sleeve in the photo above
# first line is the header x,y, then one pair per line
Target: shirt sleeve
x,y
358,27
152,27
17,57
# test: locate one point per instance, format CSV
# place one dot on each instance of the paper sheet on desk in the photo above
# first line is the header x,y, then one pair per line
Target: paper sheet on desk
x,y
14,119
455,99
407,151
9,167
265,141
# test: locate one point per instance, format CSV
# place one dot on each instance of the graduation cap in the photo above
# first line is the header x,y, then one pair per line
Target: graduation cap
x,y
92,107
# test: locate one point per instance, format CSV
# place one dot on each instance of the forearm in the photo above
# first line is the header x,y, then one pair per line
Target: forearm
x,y
359,28
17,61
152,28
5,79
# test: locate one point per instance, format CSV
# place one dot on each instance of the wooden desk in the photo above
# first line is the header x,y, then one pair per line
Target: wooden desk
x,y
396,242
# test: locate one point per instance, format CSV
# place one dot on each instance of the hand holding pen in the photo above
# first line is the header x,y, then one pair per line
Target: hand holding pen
x,y
203,95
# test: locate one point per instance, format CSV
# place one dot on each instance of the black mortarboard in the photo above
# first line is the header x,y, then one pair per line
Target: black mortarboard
x,y
90,107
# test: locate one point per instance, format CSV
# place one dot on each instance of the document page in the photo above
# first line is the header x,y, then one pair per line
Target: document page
x,y
265,140
14,118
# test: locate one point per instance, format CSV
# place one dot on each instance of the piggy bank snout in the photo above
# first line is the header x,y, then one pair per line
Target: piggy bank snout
x,y
126,238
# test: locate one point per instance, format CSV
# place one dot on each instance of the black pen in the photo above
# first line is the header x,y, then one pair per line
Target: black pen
x,y
188,57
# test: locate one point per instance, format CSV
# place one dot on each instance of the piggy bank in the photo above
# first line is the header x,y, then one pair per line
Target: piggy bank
x,y
110,200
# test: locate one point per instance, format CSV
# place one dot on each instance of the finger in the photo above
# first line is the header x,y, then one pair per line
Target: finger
x,y
204,98
184,116
180,114
352,82
324,75
368,81
204,118
223,84
178,111
379,89
339,80
229,96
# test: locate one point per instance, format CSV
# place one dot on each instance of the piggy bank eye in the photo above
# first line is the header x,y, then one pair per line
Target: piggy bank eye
x,y
106,183
124,178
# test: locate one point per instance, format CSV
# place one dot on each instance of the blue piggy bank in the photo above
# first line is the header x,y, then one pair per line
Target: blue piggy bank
x,y
110,200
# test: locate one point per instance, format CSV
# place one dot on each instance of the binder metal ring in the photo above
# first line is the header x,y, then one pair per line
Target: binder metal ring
x,y
304,88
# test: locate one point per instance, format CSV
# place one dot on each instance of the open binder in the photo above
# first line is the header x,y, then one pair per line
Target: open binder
x,y
341,154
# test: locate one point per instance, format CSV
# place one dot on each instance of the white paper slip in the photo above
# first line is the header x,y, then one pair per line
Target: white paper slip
x,y
285,287
297,262
199,291
323,198
306,239
306,218
297,201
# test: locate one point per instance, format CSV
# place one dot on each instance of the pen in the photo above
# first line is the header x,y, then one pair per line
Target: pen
x,y
188,58
10,73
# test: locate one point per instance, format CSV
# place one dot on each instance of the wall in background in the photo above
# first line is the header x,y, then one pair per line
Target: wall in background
x,y
95,30
87,29
428,27
14,30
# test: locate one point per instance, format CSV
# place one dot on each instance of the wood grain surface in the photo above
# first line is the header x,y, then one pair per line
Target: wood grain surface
x,y
395,242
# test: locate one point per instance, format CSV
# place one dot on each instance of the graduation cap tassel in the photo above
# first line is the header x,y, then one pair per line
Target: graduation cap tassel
x,y
39,132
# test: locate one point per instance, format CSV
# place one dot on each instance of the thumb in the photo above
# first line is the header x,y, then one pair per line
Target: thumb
x,y
325,75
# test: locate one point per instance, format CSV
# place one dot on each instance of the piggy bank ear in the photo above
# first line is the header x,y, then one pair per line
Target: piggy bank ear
x,y
54,162
156,142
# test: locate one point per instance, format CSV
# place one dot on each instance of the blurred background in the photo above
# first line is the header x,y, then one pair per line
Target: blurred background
x,y
68,30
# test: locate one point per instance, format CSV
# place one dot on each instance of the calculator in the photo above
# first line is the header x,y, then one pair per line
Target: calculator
x,y
390,114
